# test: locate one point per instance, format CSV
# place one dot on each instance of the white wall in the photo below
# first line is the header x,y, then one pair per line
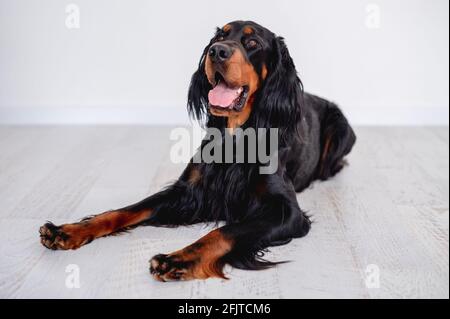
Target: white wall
x,y
131,60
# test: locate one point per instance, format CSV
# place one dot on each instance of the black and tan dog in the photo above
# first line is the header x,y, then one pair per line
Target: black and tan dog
x,y
246,79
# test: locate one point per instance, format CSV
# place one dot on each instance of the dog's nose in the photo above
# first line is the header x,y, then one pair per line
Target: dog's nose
x,y
220,52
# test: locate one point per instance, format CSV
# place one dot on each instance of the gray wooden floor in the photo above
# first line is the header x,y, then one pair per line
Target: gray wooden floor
x,y
385,217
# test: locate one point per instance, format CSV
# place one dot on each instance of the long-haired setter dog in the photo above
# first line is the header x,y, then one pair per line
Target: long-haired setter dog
x,y
246,79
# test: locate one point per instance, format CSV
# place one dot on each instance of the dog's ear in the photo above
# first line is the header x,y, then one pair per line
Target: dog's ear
x,y
199,87
280,101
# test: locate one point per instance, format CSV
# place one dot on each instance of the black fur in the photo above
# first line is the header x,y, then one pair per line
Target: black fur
x,y
279,103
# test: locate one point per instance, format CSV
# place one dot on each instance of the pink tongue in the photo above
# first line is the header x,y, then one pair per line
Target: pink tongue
x,y
223,96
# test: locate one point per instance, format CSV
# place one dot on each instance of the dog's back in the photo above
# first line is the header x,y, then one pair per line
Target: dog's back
x,y
325,139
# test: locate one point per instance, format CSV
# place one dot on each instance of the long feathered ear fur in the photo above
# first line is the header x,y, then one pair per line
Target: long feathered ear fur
x,y
280,102
198,91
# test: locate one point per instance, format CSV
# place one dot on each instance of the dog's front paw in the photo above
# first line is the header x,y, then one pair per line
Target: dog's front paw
x,y
59,237
52,236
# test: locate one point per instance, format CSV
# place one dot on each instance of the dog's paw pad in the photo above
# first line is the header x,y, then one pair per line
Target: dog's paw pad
x,y
167,268
52,237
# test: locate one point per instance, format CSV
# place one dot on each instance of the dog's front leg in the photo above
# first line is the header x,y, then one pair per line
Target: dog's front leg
x,y
159,209
236,244
275,220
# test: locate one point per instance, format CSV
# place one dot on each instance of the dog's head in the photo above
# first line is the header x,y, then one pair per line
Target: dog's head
x,y
246,72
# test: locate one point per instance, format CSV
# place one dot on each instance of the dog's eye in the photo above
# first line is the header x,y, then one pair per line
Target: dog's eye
x,y
251,44
221,36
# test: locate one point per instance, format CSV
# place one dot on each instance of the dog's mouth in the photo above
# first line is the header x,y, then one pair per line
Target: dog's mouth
x,y
226,97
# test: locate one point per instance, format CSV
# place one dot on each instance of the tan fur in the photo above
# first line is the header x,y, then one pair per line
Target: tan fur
x,y
194,176
73,236
203,257
264,72
248,30
238,72
325,152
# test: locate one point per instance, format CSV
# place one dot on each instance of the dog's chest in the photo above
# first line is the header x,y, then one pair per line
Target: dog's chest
x,y
228,183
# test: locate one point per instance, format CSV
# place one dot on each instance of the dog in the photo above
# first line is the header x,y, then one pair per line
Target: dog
x,y
246,78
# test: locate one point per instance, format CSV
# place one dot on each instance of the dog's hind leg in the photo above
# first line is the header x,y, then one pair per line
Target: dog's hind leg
x,y
337,140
